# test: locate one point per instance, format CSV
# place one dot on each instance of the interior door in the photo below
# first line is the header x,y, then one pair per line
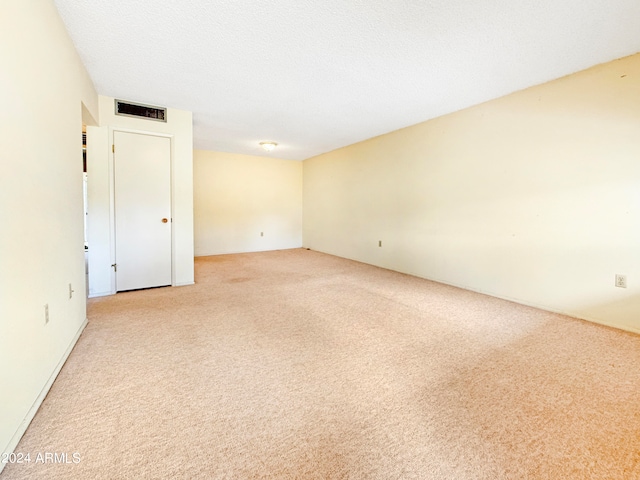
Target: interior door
x,y
142,179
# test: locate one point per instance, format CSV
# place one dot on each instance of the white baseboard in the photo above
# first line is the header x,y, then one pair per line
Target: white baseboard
x,y
547,308
13,443
100,294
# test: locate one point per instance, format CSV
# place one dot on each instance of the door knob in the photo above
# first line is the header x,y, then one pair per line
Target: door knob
x,y
164,220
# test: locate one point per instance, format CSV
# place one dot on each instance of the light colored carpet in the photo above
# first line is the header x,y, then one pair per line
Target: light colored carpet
x,y
296,364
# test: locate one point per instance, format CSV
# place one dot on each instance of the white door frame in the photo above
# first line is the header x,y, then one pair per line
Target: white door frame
x,y
112,199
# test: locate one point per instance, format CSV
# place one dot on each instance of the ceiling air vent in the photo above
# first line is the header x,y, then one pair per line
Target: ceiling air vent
x,y
129,109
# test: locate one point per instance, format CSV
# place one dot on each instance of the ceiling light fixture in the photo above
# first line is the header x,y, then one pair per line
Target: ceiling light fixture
x,y
268,146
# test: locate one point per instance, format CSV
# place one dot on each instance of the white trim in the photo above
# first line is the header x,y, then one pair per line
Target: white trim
x,y
100,294
539,306
13,443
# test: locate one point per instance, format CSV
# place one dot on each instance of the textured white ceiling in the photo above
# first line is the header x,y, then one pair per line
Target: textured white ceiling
x,y
318,75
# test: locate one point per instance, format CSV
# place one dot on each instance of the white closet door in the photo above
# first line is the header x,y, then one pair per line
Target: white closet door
x,y
142,171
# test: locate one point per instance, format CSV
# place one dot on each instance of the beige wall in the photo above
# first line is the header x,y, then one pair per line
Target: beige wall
x,y
43,85
99,182
236,197
533,197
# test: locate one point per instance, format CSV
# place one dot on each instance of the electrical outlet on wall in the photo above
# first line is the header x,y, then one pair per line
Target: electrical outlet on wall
x,y
621,281
46,313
